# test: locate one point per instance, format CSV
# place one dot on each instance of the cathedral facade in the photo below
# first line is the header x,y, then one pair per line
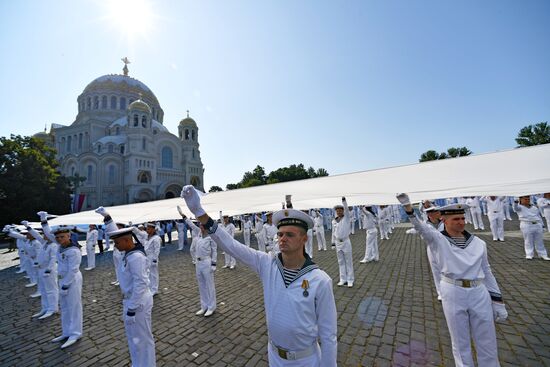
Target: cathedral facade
x,y
118,150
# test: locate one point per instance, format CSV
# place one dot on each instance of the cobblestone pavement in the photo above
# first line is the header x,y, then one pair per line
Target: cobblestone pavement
x,y
390,318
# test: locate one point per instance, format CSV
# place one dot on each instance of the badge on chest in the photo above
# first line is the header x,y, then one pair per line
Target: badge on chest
x,y
305,287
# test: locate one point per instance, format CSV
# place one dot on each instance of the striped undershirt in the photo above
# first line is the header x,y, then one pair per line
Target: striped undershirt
x,y
460,241
289,275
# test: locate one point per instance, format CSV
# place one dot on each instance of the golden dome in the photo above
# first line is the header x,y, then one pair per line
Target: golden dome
x,y
140,106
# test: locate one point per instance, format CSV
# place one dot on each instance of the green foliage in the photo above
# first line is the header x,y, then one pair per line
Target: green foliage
x,y
29,181
291,173
215,189
534,135
432,155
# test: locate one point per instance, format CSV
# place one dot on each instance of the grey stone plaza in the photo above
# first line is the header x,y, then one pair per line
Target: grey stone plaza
x,y
391,317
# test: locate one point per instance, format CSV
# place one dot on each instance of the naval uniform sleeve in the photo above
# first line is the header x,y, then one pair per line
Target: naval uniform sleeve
x,y
248,256
428,232
73,258
17,236
213,251
516,207
325,309
490,280
154,248
36,235
137,264
52,250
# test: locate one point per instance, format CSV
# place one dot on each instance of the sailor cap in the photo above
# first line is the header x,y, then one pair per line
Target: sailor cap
x,y
120,232
292,217
62,229
431,209
453,209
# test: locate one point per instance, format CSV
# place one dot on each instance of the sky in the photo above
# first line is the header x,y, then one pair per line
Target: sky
x,y
343,85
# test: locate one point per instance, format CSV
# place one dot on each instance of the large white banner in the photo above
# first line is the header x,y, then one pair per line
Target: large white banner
x,y
513,172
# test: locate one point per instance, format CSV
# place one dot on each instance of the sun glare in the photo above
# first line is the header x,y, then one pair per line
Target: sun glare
x,y
132,17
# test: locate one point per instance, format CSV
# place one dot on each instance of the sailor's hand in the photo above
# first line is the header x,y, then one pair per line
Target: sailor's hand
x,y
193,201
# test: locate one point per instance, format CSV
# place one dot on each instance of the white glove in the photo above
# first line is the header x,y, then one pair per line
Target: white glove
x,y
403,199
213,267
136,231
499,311
193,201
130,320
43,216
101,211
25,223
181,212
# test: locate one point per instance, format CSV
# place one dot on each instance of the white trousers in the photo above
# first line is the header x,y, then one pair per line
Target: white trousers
x,y
154,277
469,311
547,216
207,288
246,235
497,227
261,243
229,260
352,226
345,261
320,234
383,230
436,270
140,335
532,237
181,237
117,259
468,217
71,308
90,252
32,271
507,211
50,291
371,248
477,219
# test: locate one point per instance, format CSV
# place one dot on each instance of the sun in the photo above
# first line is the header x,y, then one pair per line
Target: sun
x,y
133,18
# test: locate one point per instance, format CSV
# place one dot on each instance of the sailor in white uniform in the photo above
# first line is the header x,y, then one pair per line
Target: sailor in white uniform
x,y
69,258
91,241
138,300
544,204
47,274
152,251
341,228
229,227
471,298
247,229
269,231
207,254
369,223
298,298
319,229
434,219
495,212
258,227
530,223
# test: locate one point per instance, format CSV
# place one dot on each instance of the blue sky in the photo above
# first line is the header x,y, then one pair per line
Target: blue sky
x,y
343,85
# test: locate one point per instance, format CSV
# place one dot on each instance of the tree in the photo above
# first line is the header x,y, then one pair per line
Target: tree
x,y
215,189
534,135
29,181
432,155
291,173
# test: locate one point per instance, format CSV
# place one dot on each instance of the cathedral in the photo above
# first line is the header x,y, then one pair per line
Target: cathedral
x,y
117,151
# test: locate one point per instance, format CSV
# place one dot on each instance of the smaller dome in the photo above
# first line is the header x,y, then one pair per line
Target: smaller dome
x,y
140,106
42,135
188,121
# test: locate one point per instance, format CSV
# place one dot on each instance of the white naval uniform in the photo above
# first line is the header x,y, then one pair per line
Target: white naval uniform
x,y
309,243
259,226
31,248
182,233
247,228
467,310
229,260
206,252
531,228
91,241
47,273
152,249
467,214
475,211
371,247
269,233
294,322
432,259
319,229
495,212
544,205
353,220
70,300
340,236
383,223
195,235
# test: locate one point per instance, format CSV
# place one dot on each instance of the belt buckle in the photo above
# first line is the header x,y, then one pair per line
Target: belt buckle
x,y
533,222
466,283
282,353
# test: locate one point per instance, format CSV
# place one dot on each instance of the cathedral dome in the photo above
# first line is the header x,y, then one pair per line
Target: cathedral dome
x,y
188,121
140,106
122,84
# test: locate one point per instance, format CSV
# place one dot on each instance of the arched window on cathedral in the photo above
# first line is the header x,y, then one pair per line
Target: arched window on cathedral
x,y
193,152
136,120
89,175
167,157
143,121
122,103
113,103
96,102
111,174
104,102
89,103
193,135
99,148
122,149
143,177
80,136
186,134
117,130
69,143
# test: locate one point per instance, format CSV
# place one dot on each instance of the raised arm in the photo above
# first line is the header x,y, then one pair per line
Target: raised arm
x,y
45,226
37,236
